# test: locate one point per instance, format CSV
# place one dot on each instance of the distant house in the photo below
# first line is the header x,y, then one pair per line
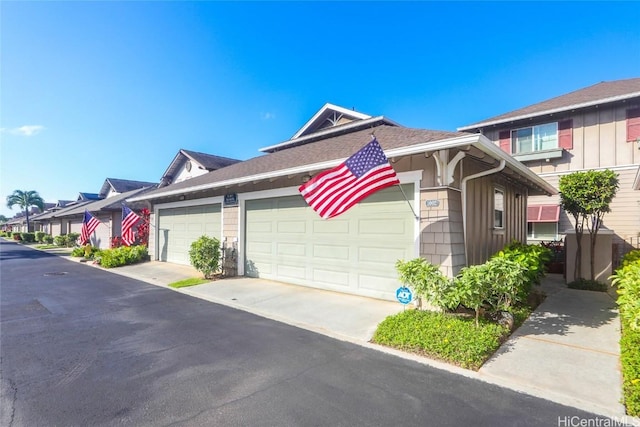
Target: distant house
x,y
106,206
83,197
189,164
468,195
597,127
18,223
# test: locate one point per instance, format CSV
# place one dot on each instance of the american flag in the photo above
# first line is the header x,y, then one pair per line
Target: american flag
x,y
129,219
332,192
89,225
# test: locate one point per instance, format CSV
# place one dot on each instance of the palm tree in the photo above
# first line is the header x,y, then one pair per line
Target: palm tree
x,y
25,199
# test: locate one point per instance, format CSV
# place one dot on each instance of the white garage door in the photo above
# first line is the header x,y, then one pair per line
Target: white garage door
x,y
355,252
179,227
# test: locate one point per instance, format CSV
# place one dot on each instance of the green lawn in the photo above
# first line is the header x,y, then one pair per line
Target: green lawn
x,y
188,282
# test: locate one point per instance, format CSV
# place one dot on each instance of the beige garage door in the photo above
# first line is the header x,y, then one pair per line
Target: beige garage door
x,y
179,227
354,253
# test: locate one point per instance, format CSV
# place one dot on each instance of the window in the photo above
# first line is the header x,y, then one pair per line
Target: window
x,y
534,138
498,208
542,230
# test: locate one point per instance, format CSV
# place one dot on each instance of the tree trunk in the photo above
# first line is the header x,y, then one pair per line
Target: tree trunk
x,y
593,237
577,269
26,211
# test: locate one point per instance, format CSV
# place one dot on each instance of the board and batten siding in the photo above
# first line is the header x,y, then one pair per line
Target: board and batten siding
x,y
624,218
599,141
483,239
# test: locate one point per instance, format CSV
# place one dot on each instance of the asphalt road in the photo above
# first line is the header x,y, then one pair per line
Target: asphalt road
x,y
84,347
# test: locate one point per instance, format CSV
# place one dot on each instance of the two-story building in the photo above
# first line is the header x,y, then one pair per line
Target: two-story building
x,y
594,128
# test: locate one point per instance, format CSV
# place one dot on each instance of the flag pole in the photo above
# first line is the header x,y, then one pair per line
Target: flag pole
x,y
373,136
409,203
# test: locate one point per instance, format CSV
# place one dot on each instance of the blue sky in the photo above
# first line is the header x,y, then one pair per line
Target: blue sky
x,y
90,90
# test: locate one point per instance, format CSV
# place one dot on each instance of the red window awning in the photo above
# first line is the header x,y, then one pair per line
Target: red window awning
x,y
543,213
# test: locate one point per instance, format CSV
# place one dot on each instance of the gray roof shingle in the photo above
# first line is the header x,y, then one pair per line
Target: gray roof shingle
x,y
209,161
333,148
589,96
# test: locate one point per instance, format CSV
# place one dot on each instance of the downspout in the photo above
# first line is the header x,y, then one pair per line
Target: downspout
x,y
463,190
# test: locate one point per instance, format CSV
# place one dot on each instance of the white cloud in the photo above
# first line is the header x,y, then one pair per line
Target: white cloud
x,y
26,130
267,116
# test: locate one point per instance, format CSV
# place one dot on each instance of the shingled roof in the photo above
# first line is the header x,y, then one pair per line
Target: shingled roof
x,y
598,94
317,156
123,185
209,161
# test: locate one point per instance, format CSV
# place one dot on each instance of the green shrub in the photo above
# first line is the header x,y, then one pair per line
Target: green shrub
x,y
48,239
77,252
40,236
532,257
631,257
124,255
427,282
205,255
630,360
627,278
72,239
28,237
16,236
87,251
60,240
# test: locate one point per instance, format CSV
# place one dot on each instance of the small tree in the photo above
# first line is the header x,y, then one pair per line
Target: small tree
x,y
205,255
587,196
25,199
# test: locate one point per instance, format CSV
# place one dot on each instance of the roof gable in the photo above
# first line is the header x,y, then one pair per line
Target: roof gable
x,y
119,186
598,94
328,121
208,162
329,115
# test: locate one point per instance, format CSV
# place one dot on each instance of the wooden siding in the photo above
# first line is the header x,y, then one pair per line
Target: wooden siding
x,y
483,240
624,218
441,233
230,224
599,141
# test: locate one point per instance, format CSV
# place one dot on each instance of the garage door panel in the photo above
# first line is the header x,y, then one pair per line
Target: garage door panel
x,y
330,278
376,283
382,226
259,227
331,252
380,254
331,226
259,248
294,203
290,272
295,249
291,227
194,228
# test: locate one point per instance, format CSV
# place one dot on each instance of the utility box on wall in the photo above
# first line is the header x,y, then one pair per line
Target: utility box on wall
x,y
603,259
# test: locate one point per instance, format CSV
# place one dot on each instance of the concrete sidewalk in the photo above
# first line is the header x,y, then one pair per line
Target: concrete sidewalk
x,y
566,352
